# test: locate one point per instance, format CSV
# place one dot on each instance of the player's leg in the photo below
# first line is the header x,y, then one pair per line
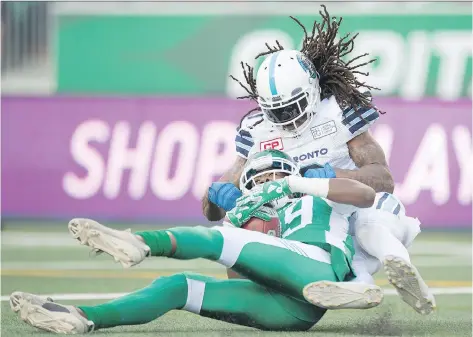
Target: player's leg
x,y
384,231
260,251
282,265
364,265
240,302
397,230
259,257
245,302
378,229
233,247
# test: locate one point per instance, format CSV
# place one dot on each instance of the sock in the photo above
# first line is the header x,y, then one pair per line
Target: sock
x,y
197,242
159,242
364,264
360,266
191,242
142,306
364,277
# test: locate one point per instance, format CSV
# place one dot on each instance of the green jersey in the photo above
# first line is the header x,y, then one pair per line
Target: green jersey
x,y
320,222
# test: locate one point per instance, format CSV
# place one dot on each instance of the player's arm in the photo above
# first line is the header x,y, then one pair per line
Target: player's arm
x,y
339,190
363,150
222,195
371,161
211,211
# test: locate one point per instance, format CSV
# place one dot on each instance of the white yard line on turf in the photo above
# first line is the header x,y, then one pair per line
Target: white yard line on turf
x,y
109,296
95,264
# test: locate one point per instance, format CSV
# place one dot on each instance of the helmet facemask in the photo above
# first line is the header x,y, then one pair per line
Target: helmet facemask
x,y
268,168
294,114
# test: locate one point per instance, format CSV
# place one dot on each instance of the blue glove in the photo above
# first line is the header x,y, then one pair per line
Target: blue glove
x,y
324,172
224,195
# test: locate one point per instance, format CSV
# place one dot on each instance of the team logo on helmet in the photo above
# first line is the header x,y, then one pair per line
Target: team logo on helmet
x,y
307,65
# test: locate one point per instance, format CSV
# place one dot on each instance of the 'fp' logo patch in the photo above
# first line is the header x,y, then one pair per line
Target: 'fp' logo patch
x,y
275,144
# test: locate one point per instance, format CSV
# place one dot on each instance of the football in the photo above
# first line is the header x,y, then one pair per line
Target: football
x,y
271,227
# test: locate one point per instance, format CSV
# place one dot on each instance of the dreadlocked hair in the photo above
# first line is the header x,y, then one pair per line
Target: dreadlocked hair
x,y
250,87
337,77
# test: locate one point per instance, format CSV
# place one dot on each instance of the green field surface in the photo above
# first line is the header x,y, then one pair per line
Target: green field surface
x,y
51,262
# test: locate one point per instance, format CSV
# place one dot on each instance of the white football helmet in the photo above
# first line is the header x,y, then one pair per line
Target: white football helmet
x,y
288,90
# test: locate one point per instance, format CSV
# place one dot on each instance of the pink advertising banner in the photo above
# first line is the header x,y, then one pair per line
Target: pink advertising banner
x,y
151,159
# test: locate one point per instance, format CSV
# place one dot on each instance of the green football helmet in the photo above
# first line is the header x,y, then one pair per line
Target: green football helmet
x,y
265,162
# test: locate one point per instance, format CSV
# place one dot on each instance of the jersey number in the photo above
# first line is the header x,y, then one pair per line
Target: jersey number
x,y
297,219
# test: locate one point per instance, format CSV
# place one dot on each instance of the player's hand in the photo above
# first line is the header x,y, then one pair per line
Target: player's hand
x,y
265,193
224,195
240,215
253,205
324,172
265,213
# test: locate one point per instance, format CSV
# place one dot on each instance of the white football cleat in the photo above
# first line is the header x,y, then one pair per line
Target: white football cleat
x,y
409,284
123,246
18,297
47,315
343,295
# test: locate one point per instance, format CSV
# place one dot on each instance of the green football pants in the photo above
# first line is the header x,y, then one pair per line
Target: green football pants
x,y
270,299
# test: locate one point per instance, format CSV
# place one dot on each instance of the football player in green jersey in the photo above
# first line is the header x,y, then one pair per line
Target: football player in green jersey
x,y
316,216
315,247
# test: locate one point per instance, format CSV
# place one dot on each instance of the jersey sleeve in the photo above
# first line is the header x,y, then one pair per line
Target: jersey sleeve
x,y
244,140
356,124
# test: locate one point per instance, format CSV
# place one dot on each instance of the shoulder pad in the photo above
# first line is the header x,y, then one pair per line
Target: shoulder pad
x,y
360,120
244,139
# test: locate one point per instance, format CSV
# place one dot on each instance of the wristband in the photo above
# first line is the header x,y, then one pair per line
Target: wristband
x,y
318,187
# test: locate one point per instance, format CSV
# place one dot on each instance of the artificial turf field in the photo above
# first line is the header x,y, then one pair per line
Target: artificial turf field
x,y
45,260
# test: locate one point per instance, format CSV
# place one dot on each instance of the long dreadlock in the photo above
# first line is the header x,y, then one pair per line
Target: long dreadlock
x,y
337,77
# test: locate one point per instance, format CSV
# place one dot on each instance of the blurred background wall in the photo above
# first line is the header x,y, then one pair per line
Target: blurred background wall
x,y
125,110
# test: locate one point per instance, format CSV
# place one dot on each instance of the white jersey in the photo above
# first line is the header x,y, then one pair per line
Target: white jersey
x,y
323,141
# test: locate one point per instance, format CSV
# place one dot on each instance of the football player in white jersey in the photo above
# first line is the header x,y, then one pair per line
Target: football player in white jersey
x,y
311,108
